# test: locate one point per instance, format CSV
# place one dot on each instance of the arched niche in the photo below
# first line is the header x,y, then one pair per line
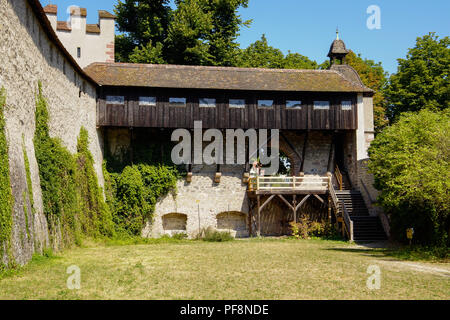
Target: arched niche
x,y
174,223
233,221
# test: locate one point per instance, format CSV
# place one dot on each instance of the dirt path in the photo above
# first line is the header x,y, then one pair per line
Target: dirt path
x,y
440,269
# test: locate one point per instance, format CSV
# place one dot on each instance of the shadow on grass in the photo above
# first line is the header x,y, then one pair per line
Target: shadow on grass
x,y
399,252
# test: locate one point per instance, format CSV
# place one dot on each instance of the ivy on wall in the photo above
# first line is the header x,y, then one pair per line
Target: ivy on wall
x,y
6,198
73,200
30,190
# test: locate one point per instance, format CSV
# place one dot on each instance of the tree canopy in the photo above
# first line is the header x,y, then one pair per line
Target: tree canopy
x,y
261,55
410,161
422,80
197,32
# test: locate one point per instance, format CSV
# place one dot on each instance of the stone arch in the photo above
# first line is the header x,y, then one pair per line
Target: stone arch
x,y
174,223
293,158
234,222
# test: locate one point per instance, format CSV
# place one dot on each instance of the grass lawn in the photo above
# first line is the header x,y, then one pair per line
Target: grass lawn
x,y
241,269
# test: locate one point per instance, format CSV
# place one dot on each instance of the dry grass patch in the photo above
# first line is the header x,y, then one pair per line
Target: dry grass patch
x,y
245,269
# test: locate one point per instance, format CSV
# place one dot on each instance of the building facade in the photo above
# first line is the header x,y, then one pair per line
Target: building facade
x,y
87,43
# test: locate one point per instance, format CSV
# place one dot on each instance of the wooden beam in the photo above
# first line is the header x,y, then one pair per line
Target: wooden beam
x,y
259,215
294,202
267,201
305,142
290,145
302,202
250,213
285,201
319,198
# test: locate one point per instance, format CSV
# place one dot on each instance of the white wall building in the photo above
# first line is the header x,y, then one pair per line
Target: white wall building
x,y
87,43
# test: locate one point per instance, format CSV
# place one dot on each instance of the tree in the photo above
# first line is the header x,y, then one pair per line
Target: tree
x,y
410,161
188,32
422,80
204,32
261,55
142,22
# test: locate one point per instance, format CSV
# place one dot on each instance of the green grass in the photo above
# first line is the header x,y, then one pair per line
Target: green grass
x,y
242,269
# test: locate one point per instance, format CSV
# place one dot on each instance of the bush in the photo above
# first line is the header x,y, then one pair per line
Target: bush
x,y
411,164
306,228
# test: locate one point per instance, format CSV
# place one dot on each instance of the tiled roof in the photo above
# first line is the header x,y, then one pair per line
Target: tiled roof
x,y
78,12
226,78
103,14
51,9
62,25
337,47
92,28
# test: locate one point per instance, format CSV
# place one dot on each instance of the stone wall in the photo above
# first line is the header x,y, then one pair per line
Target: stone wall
x,y
225,205
202,200
27,56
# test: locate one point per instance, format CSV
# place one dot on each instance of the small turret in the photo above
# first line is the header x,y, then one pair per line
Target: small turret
x,y
338,51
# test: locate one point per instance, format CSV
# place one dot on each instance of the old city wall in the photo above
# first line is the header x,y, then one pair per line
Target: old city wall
x,y
27,55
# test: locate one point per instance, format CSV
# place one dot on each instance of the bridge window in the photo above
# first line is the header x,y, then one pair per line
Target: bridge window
x,y
147,101
265,103
321,105
237,103
346,105
115,100
177,102
293,104
207,103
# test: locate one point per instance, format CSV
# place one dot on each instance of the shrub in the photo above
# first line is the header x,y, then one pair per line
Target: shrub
x,y
411,164
306,228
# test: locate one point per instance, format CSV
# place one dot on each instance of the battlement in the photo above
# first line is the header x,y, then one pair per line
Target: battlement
x,y
87,43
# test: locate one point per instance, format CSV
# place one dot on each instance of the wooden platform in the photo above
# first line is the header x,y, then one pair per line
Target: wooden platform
x,y
309,186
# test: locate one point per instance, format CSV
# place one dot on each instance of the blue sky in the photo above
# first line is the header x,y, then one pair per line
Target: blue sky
x,y
308,27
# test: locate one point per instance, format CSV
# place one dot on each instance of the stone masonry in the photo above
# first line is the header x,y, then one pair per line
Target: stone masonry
x,y
27,56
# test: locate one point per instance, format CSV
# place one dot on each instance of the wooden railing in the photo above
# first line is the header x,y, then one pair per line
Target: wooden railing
x,y
339,178
308,183
287,183
340,209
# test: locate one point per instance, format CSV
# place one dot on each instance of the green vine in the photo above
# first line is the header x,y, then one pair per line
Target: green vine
x,y
30,189
73,200
6,197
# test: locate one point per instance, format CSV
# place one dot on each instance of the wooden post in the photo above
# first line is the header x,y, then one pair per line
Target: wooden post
x,y
250,211
294,205
259,215
329,209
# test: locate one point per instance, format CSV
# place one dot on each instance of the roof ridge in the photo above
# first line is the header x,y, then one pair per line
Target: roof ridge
x,y
217,68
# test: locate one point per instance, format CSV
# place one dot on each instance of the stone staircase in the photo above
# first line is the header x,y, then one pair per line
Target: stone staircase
x,y
365,227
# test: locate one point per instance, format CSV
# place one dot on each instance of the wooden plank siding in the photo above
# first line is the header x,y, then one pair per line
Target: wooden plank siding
x,y
164,115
